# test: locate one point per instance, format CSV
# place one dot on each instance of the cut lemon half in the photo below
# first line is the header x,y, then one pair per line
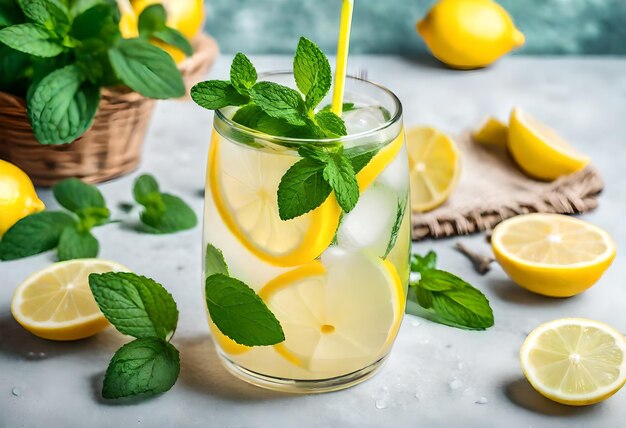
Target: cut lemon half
x,y
56,302
540,151
340,316
575,361
492,132
552,254
435,167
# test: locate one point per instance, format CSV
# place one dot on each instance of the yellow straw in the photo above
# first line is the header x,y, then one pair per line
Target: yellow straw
x,y
342,55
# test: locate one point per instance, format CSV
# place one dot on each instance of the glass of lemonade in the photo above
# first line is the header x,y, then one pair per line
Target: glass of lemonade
x,y
336,282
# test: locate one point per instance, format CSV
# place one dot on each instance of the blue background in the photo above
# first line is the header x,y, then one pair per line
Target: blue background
x,y
388,26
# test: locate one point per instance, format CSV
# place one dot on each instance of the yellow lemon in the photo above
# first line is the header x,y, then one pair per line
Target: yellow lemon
x,y
469,34
56,302
339,315
540,151
552,254
17,196
492,133
435,167
575,361
185,16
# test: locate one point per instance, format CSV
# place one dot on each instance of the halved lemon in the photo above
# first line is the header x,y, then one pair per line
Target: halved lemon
x,y
244,184
493,132
435,167
339,315
539,150
56,302
575,361
552,254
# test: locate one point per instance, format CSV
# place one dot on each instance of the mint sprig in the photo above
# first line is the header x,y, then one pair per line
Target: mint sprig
x,y
69,232
142,308
163,212
236,310
449,299
279,110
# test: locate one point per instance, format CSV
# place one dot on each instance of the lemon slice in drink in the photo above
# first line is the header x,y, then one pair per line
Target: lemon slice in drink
x,y
575,361
56,302
339,316
540,151
435,167
552,254
244,184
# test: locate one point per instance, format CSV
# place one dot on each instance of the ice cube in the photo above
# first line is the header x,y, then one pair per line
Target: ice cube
x,y
364,119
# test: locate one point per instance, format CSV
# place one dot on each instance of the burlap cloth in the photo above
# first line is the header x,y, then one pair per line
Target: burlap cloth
x,y
492,188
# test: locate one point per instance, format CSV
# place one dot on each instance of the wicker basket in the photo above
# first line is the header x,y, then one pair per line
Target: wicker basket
x,y
110,148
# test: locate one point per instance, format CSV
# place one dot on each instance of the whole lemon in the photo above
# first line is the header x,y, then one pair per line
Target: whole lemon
x,y
17,196
185,16
468,34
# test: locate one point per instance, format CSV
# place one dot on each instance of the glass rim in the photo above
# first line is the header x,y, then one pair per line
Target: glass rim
x,y
253,133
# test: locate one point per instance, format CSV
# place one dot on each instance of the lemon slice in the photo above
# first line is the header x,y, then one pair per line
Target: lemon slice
x,y
575,361
56,302
540,151
339,316
435,167
492,133
552,254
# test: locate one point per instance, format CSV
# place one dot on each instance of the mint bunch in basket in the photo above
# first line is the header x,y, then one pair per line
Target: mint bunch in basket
x,y
58,54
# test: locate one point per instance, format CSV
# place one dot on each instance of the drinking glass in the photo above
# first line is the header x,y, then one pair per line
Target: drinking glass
x,y
337,282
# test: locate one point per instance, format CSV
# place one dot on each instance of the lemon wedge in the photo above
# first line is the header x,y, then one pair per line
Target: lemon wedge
x,y
493,132
56,302
435,167
575,361
539,150
339,315
552,254
17,196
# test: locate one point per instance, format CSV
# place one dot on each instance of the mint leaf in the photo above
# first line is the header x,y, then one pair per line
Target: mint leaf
x,y
344,107
174,38
332,125
175,217
62,106
97,22
423,263
217,94
453,301
395,228
214,262
152,19
279,101
312,72
34,234
135,305
340,175
250,115
75,244
144,366
239,312
242,73
14,66
302,189
51,14
10,13
32,39
146,69
74,195
360,156
145,188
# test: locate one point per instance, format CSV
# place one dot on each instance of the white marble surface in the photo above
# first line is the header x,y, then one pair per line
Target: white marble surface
x,y
435,374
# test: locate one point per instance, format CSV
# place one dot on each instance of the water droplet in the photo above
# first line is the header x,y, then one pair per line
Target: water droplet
x,y
460,366
385,388
16,391
482,400
417,395
424,341
415,323
42,355
30,355
381,404
455,384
